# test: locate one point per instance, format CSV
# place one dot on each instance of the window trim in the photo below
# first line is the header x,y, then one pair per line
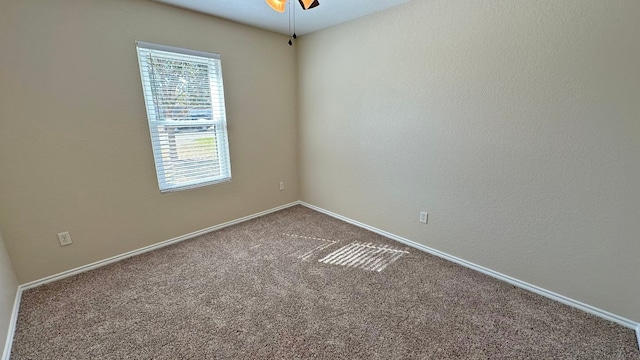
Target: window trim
x,y
178,50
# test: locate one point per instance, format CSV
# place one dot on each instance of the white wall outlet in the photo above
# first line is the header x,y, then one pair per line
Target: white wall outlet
x,y
281,185
64,238
424,217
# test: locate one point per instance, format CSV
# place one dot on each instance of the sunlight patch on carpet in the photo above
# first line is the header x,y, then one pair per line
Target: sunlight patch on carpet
x,y
309,246
364,256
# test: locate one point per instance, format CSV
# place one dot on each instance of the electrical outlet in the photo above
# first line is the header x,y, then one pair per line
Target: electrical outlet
x,y
64,238
424,217
281,185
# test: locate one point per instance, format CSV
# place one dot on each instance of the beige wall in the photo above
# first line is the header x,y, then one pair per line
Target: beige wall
x,y
515,124
75,152
8,289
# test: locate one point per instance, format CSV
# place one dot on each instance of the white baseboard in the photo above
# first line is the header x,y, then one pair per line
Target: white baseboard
x,y
12,325
513,281
546,293
145,249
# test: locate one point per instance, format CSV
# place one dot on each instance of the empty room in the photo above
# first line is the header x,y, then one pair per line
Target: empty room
x,y
300,179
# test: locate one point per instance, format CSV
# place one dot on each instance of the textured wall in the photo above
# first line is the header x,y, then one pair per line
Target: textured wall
x,y
515,124
8,289
75,152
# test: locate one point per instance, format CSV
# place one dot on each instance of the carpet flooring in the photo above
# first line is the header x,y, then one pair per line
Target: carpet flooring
x,y
297,284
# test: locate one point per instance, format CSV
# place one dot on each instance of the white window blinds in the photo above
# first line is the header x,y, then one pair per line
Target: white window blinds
x,y
184,97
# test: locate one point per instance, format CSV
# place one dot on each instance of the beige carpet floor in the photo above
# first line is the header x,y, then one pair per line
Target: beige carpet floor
x,y
298,284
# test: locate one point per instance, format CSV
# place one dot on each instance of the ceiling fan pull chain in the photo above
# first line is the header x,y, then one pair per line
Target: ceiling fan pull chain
x,y
294,36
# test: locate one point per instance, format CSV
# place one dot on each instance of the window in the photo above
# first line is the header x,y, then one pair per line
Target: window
x,y
184,98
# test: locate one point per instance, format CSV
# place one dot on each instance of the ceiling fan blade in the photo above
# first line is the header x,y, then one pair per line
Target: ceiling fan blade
x,y
308,4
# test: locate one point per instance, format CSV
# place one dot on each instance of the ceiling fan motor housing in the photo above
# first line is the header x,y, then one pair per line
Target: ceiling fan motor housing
x,y
308,4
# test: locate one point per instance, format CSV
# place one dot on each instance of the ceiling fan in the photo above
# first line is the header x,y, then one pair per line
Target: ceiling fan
x,y
279,5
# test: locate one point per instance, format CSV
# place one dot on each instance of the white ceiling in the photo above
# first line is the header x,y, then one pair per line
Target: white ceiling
x,y
257,13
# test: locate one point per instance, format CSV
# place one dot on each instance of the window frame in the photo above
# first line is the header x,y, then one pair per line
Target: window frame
x,y
217,123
